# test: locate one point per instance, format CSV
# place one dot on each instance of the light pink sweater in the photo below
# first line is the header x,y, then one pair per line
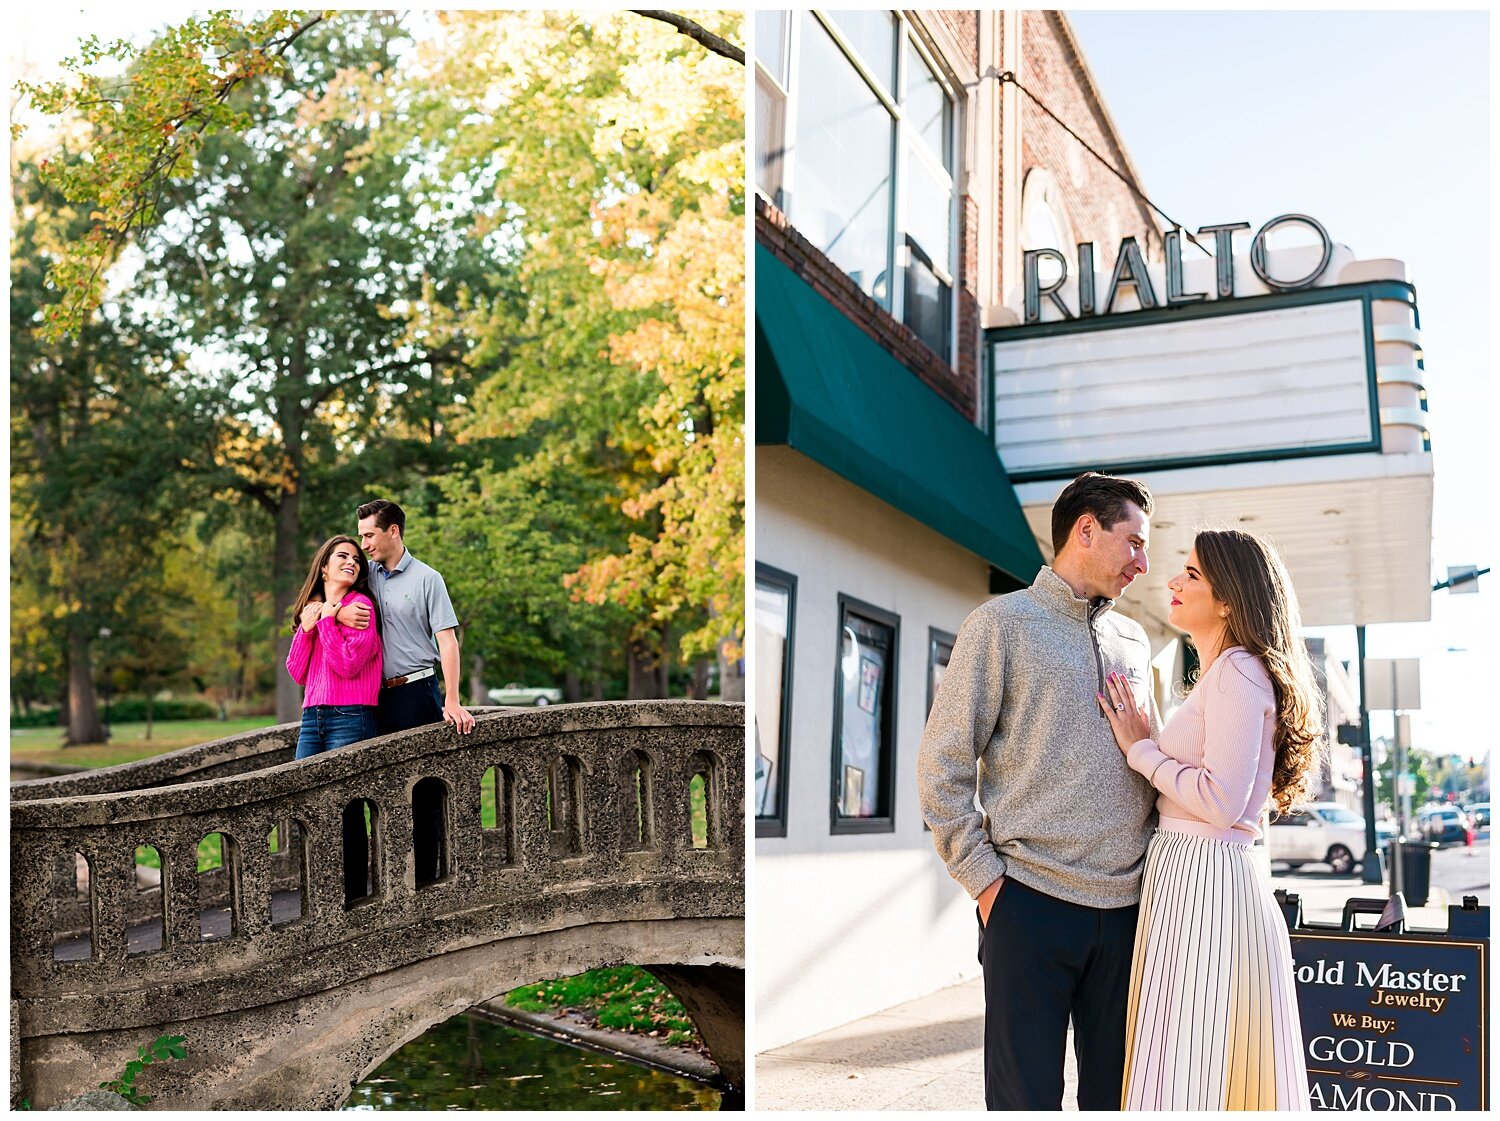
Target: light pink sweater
x,y
339,665
1214,764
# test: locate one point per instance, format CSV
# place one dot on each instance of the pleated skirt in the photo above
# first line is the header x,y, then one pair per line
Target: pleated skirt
x,y
1212,1017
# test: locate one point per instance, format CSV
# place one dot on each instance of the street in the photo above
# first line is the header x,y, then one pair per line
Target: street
x,y
1457,871
1462,871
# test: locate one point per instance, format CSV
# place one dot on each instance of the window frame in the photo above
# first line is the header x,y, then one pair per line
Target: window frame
x,y
886,823
781,84
898,254
936,635
775,825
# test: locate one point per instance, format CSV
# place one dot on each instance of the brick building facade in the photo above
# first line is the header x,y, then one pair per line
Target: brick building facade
x,y
855,534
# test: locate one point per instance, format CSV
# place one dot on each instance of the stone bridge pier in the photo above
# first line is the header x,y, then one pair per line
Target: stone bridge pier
x,y
367,894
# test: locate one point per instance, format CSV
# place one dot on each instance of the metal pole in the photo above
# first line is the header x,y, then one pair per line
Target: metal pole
x,y
1371,871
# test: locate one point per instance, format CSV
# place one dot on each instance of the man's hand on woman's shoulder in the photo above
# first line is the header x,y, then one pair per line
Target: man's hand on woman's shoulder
x,y
354,614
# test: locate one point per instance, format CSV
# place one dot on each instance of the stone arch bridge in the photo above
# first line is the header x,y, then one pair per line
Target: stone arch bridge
x,y
367,894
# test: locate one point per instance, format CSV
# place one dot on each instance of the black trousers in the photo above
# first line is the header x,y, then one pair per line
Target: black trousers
x,y
1046,961
409,706
406,706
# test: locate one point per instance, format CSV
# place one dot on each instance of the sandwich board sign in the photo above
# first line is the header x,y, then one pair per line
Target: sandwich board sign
x,y
1394,1021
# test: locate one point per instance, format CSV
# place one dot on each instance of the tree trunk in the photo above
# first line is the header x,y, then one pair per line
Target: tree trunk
x,y
731,678
478,694
700,679
83,710
646,672
285,583
572,687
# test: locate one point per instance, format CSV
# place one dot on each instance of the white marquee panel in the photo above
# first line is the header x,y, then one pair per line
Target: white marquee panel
x,y
1259,381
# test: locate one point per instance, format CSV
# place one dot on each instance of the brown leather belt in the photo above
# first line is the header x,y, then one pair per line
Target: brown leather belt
x,y
396,682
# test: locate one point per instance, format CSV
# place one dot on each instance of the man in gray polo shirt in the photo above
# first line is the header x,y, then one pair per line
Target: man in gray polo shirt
x,y
417,623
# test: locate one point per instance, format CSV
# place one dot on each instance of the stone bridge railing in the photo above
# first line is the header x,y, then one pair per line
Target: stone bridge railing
x,y
591,817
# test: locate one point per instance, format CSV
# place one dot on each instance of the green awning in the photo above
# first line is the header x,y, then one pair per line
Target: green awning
x,y
825,388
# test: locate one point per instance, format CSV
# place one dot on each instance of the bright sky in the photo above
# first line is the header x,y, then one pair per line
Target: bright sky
x,y
1379,124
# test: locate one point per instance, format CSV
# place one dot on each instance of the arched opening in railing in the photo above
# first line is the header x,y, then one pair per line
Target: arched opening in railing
x,y
638,824
703,801
219,910
287,846
432,854
73,910
565,806
146,915
497,814
361,836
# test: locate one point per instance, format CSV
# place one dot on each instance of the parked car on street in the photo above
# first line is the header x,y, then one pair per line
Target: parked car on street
x,y
1479,813
1442,824
1322,833
517,694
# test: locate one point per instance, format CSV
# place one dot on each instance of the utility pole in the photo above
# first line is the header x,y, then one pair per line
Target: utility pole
x,y
1372,872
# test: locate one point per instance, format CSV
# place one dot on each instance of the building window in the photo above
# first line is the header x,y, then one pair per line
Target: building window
x,y
775,611
928,202
864,719
844,159
773,50
856,143
939,650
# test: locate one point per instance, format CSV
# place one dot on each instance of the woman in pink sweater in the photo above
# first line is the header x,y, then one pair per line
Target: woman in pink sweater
x,y
1212,1018
338,665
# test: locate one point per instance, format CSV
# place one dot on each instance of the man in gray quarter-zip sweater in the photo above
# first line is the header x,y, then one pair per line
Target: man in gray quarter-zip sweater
x,y
1054,855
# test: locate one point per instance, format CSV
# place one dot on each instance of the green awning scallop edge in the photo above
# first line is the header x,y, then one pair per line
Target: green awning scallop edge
x,y
825,388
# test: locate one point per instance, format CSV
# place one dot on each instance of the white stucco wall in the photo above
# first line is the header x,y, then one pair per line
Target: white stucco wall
x,y
849,925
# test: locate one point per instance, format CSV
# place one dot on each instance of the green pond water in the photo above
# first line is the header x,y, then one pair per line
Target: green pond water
x,y
471,1063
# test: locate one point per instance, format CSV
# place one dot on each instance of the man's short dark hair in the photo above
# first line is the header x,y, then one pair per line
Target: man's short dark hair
x,y
386,514
1104,496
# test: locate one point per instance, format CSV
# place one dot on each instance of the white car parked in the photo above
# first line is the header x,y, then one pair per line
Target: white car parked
x,y
515,693
1322,833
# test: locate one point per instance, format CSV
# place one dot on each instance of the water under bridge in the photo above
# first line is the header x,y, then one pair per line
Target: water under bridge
x,y
367,894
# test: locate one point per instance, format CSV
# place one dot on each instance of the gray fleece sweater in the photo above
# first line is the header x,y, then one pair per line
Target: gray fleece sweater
x,y
1016,720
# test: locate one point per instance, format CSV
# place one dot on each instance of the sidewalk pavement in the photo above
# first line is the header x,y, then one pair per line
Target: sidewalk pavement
x,y
927,1053
924,1054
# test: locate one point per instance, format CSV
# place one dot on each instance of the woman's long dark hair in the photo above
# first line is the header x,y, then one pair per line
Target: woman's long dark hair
x,y
1247,574
312,587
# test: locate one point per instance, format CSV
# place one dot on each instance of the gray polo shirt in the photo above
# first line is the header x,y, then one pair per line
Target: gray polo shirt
x,y
414,605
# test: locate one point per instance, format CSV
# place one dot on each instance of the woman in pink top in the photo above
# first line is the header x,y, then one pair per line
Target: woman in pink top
x,y
1212,1018
338,665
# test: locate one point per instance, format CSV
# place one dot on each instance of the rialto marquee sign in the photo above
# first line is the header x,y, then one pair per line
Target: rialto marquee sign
x,y
1130,272
1199,358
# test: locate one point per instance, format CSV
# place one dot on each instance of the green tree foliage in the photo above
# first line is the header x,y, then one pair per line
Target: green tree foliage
x,y
292,255
1418,763
617,152
145,129
91,507
498,274
503,539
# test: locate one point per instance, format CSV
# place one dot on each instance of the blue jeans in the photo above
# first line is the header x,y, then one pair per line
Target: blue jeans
x,y
325,727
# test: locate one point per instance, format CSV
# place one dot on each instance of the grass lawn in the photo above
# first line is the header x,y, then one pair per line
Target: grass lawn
x,y
624,998
127,742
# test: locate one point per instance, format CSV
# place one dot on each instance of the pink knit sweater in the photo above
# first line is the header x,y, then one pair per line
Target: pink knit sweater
x,y
339,665
1214,763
